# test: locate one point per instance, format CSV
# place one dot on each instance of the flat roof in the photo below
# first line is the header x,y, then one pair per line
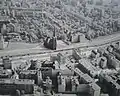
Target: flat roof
x,y
16,81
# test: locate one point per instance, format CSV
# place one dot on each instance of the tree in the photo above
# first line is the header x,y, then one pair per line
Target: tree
x,y
18,93
97,34
88,36
23,92
92,35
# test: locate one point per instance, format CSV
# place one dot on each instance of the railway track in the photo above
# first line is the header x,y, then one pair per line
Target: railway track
x,y
62,50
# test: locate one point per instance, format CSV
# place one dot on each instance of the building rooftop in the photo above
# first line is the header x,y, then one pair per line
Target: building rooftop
x,y
16,81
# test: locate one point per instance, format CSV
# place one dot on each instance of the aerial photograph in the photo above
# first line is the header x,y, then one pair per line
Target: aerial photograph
x,y
59,47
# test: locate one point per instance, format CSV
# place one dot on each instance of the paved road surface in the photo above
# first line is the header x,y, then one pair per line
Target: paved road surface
x,y
60,46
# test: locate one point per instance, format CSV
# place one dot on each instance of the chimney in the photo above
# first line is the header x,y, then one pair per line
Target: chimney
x,y
54,32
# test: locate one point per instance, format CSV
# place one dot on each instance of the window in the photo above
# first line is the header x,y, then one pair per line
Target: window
x,y
0,2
